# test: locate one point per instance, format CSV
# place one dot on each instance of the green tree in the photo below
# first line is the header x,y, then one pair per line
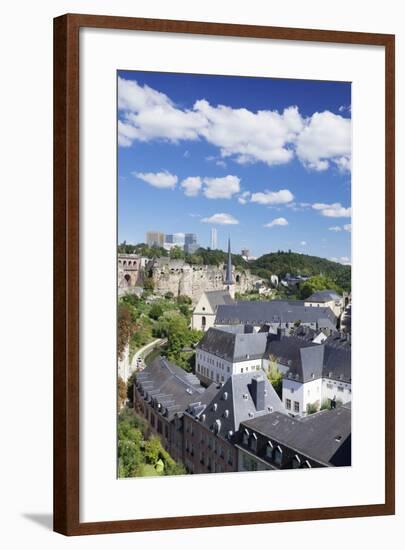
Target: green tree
x,y
314,284
176,253
312,407
156,311
274,376
152,450
121,392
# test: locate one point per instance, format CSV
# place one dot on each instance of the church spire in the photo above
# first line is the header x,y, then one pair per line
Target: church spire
x,y
228,274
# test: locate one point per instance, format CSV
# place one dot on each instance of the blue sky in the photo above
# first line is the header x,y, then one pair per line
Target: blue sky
x,y
266,161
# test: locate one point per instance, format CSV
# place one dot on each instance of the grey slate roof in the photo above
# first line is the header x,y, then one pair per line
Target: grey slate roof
x,y
233,346
324,436
274,311
324,296
218,297
304,360
234,403
170,386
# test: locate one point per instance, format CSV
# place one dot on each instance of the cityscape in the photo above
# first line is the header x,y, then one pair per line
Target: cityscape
x,y
234,313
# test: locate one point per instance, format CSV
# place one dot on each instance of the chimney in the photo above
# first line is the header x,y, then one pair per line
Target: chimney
x,y
258,393
281,332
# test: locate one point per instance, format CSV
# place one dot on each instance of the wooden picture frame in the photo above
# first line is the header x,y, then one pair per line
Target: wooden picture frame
x,y
67,283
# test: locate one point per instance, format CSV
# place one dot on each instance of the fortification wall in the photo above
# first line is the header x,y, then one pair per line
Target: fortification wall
x,y
192,280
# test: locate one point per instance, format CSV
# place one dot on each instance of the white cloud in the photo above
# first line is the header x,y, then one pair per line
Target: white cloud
x,y
221,188
191,186
250,137
277,221
244,197
272,197
161,180
347,227
335,210
221,219
148,114
326,138
266,136
303,243
336,228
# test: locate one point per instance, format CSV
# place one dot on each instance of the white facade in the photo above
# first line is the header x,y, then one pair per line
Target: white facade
x,y
336,389
335,305
297,396
218,370
203,314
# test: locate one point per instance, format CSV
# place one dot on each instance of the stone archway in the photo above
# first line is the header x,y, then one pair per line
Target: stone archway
x,y
127,278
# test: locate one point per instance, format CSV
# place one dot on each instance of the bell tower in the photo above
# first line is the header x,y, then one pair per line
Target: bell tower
x,y
229,284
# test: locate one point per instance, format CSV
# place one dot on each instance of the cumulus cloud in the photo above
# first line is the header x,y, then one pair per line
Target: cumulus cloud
x,y
347,227
221,188
326,138
335,210
283,196
276,221
303,243
221,219
191,186
250,137
336,228
148,114
266,136
161,180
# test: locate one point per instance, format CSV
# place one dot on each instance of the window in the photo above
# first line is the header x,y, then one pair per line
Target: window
x,y
296,462
245,439
278,456
340,388
253,442
288,404
296,407
269,450
230,457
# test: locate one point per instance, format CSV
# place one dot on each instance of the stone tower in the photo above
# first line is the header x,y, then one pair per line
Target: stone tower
x,y
229,284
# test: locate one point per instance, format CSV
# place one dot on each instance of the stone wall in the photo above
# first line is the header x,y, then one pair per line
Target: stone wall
x,y
181,278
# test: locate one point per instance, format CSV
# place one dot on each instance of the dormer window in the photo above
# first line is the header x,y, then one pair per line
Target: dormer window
x,y
278,455
296,462
253,442
245,438
269,450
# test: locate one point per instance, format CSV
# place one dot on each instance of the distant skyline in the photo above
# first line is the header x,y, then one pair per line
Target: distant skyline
x,y
266,161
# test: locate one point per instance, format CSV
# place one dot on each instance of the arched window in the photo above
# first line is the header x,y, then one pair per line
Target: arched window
x,y
203,322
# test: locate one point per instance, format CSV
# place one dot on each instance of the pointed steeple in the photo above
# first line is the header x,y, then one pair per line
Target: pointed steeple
x,y
228,273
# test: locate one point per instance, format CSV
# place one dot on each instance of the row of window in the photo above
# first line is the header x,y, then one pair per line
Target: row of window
x,y
288,405
207,459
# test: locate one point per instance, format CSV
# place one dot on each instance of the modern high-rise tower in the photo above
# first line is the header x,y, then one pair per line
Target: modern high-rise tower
x,y
214,238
